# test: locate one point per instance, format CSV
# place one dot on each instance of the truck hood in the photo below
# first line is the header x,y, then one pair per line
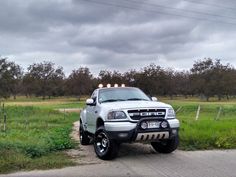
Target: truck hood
x,y
134,105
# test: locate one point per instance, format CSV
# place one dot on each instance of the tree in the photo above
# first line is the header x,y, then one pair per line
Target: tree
x,y
229,78
105,77
211,78
109,77
151,79
201,77
130,78
219,79
206,78
170,82
10,78
44,79
182,83
80,82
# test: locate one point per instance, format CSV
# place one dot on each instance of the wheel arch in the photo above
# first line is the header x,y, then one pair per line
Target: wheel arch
x,y
99,123
83,119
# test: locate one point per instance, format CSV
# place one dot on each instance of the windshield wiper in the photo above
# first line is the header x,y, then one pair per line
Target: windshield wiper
x,y
112,100
134,99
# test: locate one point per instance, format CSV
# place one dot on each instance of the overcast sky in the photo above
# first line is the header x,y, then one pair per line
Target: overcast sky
x,y
117,34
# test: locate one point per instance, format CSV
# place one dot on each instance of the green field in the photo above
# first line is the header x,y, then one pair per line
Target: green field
x,y
37,134
212,130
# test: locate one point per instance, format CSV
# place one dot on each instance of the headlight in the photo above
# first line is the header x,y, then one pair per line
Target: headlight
x,y
170,113
116,115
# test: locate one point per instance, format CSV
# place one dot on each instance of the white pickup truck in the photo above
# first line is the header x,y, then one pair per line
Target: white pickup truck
x,y
118,115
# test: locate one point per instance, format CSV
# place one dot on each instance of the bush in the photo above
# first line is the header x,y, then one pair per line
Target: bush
x,y
34,151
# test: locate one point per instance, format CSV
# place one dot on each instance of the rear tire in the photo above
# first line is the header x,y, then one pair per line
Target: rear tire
x,y
105,148
166,146
84,138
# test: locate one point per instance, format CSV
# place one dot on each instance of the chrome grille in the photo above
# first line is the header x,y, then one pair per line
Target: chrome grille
x,y
148,113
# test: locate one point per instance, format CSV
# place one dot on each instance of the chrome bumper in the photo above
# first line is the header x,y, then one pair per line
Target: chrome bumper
x,y
174,123
119,126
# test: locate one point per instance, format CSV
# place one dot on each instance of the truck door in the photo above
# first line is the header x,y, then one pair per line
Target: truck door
x,y
91,114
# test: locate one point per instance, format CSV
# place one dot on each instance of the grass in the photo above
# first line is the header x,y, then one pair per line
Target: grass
x,y
53,103
35,138
14,161
207,132
37,134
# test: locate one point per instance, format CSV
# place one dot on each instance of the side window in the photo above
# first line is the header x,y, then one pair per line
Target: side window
x,y
94,95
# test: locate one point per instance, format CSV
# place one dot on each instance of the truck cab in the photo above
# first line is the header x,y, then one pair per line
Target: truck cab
x,y
115,115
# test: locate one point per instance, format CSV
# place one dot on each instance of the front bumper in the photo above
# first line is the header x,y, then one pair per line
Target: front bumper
x,y
131,131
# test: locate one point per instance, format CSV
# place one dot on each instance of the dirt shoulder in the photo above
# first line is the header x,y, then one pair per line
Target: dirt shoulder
x,y
84,155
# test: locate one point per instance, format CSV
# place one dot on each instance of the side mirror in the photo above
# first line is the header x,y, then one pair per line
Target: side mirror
x,y
154,99
90,102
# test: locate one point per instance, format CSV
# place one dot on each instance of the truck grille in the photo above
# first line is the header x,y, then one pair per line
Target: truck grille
x,y
148,113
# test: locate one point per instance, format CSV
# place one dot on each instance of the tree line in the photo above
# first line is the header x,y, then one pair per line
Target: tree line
x,y
207,78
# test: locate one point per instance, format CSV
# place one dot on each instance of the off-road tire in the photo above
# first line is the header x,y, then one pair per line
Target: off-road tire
x,y
84,138
104,147
166,146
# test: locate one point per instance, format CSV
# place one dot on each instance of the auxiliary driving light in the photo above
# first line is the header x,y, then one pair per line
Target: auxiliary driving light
x,y
116,85
122,85
164,124
100,86
144,125
108,85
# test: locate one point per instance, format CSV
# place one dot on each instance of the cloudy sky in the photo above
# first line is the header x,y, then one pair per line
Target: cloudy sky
x,y
117,34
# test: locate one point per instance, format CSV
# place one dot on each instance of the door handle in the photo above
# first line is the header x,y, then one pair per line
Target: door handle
x,y
96,112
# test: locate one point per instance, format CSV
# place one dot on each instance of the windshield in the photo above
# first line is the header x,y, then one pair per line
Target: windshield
x,y
121,94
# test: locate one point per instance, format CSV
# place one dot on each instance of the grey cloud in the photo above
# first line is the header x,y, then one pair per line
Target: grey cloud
x,y
75,33
143,39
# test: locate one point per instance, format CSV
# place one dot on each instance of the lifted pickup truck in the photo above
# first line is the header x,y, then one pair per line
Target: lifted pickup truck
x,y
118,115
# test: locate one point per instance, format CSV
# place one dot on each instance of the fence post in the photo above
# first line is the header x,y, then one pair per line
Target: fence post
x,y
218,114
5,122
64,113
26,123
198,112
178,109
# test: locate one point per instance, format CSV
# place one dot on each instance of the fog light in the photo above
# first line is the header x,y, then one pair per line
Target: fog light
x,y
164,124
144,125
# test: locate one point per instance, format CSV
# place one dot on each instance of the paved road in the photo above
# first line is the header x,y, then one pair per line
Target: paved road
x,y
140,160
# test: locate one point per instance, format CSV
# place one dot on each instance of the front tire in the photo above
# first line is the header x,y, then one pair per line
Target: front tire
x,y
105,148
166,146
83,135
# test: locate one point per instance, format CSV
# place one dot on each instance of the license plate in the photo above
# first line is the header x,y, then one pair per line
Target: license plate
x,y
153,124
